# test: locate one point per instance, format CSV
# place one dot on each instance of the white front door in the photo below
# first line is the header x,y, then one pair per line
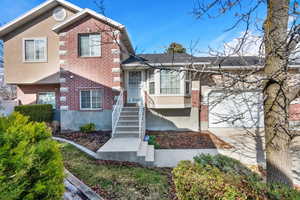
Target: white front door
x,y
134,86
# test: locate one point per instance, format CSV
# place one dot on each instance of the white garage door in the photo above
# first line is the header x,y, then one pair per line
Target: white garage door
x,y
240,110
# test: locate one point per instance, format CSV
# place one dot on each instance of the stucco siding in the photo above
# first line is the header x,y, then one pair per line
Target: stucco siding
x,y
19,72
172,119
72,120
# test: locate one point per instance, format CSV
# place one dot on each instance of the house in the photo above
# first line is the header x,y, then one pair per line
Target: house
x,y
83,64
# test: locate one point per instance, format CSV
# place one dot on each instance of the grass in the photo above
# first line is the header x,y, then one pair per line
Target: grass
x,y
115,181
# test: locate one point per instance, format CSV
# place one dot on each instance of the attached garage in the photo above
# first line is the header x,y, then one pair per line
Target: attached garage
x,y
231,109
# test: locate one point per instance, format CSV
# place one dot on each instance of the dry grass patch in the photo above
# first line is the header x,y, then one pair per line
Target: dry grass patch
x,y
113,180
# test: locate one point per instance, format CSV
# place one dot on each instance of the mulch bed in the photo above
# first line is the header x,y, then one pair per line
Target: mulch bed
x,y
92,141
188,140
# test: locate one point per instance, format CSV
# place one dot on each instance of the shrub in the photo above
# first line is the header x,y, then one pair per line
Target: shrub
x,y
152,141
37,112
31,165
193,181
224,163
87,128
220,177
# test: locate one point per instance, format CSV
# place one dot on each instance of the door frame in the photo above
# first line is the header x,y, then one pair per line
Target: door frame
x,y
142,82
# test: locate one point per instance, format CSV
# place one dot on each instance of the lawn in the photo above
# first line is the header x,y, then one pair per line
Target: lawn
x,y
114,180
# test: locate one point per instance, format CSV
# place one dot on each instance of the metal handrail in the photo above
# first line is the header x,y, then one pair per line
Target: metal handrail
x,y
117,112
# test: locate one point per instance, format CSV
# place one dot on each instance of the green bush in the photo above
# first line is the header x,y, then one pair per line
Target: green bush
x,y
31,165
37,112
152,141
224,163
87,128
223,178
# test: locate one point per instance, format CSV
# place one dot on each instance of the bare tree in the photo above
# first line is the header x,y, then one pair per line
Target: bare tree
x,y
279,86
271,75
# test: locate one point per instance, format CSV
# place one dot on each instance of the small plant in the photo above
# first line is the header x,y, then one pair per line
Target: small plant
x,y
37,112
31,165
152,141
87,128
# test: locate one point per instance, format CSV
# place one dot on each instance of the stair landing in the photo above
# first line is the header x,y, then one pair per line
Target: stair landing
x,y
127,149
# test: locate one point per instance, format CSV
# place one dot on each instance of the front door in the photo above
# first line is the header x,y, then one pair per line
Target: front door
x,y
134,86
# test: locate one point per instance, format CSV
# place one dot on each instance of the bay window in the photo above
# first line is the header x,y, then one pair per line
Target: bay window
x,y
188,78
169,82
89,45
35,50
151,81
91,99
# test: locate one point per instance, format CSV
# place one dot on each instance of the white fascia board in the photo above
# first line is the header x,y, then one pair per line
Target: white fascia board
x,y
165,64
34,13
81,15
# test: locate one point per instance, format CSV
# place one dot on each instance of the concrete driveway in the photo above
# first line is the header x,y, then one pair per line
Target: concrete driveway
x,y
249,144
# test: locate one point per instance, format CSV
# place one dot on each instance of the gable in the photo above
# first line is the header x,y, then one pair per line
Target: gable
x,y
35,13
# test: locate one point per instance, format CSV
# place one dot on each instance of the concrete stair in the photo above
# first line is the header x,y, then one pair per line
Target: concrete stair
x,y
128,124
127,149
126,145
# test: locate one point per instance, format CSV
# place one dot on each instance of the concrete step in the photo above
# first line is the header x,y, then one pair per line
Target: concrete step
x,y
124,134
136,109
150,154
128,123
143,149
128,128
129,117
129,113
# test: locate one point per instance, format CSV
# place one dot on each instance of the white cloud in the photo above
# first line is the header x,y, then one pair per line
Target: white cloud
x,y
245,45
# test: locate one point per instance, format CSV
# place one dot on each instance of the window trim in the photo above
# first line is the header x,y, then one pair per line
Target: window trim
x,y
153,81
171,94
38,97
35,61
189,80
102,95
79,45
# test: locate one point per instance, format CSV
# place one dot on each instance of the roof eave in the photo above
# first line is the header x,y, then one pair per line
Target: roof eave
x,y
23,19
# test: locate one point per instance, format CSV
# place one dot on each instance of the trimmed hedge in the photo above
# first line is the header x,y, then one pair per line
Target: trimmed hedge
x,y
37,112
31,165
223,178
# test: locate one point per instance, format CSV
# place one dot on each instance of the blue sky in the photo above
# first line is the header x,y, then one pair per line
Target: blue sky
x,y
152,25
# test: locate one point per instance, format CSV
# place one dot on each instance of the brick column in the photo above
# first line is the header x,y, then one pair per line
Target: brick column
x,y
195,111
204,109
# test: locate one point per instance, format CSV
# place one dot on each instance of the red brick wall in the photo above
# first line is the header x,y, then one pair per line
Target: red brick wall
x,y
204,113
75,84
89,72
27,94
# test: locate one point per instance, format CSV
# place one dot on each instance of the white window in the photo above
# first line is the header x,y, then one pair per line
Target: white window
x,y
188,76
169,82
46,98
91,99
89,45
35,50
151,81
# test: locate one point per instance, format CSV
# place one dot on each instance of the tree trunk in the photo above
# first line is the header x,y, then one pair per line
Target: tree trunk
x,y
276,103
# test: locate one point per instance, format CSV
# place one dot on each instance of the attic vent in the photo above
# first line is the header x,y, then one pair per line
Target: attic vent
x,y
59,14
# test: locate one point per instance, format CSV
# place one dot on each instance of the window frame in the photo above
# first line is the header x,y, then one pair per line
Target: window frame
x,y
90,48
38,97
188,79
151,81
179,93
91,99
34,60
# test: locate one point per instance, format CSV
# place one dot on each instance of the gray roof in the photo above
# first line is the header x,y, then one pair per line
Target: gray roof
x,y
186,58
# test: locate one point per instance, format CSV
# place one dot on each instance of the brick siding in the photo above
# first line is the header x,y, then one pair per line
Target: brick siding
x,y
89,72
